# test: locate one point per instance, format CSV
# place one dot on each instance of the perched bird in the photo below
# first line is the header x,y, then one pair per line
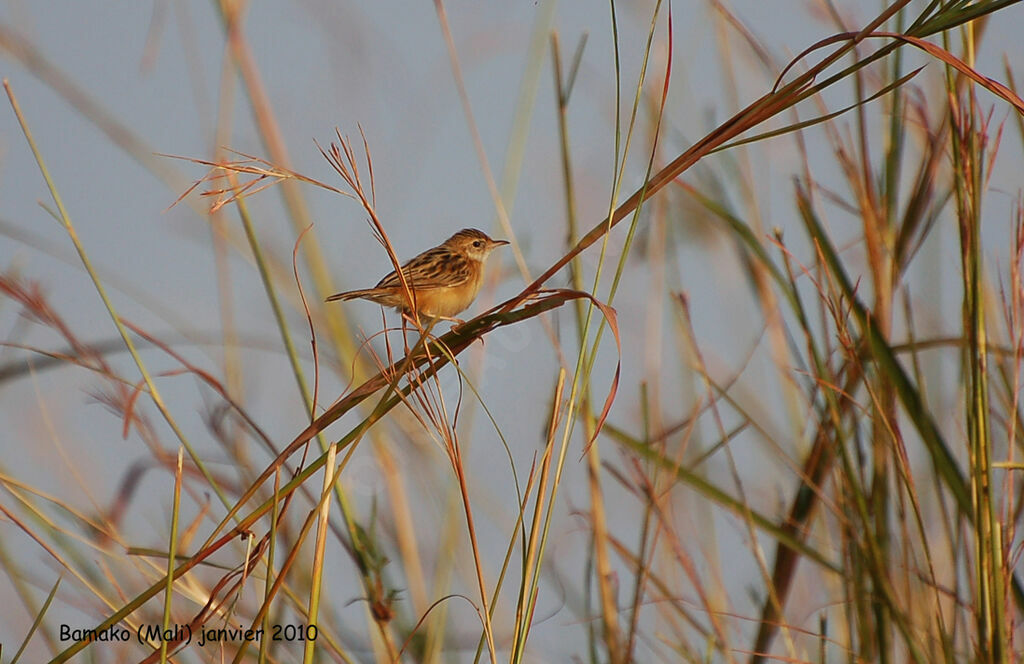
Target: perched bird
x,y
443,281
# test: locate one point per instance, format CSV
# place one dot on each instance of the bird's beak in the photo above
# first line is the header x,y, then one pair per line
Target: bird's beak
x,y
498,243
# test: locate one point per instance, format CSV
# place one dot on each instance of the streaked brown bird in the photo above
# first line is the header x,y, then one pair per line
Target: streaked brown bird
x,y
443,281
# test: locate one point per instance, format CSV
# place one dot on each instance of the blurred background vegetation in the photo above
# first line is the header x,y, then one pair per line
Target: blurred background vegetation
x,y
744,387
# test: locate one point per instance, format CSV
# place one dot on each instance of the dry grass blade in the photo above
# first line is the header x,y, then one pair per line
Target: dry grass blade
x,y
994,86
811,433
343,160
229,181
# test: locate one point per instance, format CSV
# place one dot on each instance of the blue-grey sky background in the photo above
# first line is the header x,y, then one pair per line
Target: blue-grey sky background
x,y
156,68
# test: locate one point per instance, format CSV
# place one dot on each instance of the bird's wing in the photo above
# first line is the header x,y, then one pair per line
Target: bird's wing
x,y
439,267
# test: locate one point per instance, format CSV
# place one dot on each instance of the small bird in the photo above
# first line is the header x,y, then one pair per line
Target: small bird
x,y
443,281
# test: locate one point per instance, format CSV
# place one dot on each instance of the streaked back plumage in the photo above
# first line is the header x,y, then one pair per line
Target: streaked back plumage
x,y
444,279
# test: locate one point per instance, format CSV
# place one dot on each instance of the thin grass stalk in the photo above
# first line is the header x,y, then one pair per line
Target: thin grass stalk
x,y
876,228
609,609
543,18
819,459
562,95
896,138
968,149
530,584
36,63
60,560
19,578
428,396
37,622
270,133
563,92
587,412
864,551
268,581
455,454
719,641
589,425
620,175
520,528
331,646
65,221
307,525
436,628
216,543
233,371
172,551
709,491
408,543
441,580
440,421
317,572
437,414
648,543
746,513
599,547
1013,504
940,635
270,291
559,466
478,143
669,594
530,578
759,111
747,176
218,229
877,241
928,576
575,389
428,407
526,101
485,614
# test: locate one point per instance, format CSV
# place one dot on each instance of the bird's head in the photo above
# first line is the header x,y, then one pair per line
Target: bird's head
x,y
473,243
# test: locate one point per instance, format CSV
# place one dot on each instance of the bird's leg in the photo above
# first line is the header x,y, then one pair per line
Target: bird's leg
x,y
416,321
459,324
417,324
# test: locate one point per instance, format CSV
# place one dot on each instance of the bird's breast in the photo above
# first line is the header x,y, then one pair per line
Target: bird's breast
x,y
449,300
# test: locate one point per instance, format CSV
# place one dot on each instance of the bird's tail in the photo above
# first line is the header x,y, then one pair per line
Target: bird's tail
x,y
350,295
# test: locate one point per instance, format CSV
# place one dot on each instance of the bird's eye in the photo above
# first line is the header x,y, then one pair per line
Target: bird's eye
x,y
478,244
